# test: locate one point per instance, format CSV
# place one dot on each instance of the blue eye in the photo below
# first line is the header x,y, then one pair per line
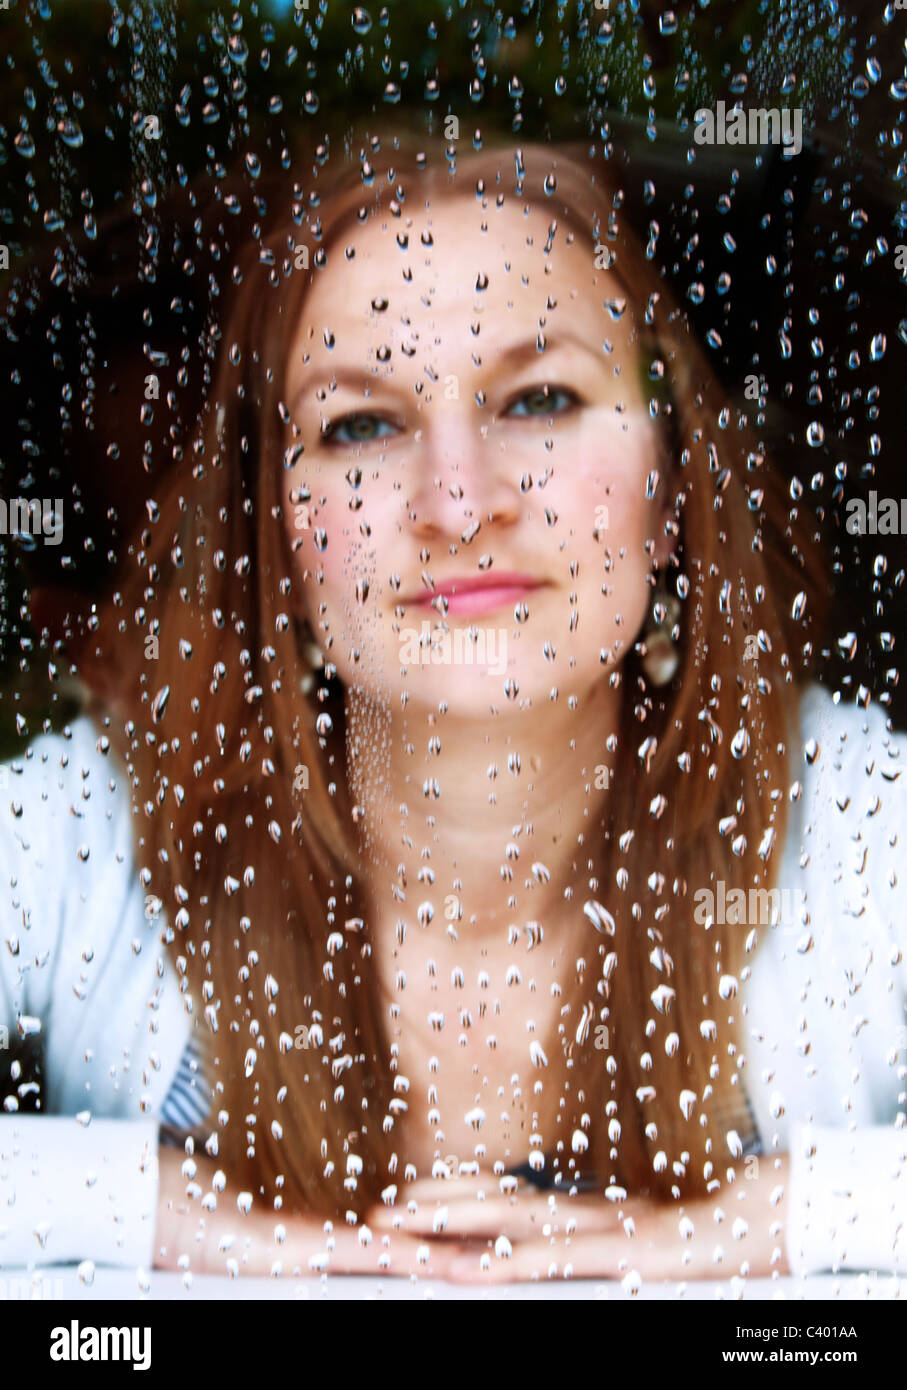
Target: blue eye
x,y
543,401
356,429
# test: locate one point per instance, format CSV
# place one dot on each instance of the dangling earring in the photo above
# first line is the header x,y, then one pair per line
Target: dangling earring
x,y
312,655
315,661
661,658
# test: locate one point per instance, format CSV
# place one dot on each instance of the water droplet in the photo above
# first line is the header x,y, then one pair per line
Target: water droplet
x,y
740,743
600,918
70,132
159,704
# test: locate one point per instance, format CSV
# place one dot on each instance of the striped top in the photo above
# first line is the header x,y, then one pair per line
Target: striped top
x,y
188,1102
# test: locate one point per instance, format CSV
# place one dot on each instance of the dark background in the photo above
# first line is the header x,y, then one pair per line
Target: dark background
x,y
120,248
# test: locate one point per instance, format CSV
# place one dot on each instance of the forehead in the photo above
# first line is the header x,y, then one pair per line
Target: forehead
x,y
451,269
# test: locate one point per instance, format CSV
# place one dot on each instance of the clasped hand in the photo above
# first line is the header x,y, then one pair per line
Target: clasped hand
x,y
468,1229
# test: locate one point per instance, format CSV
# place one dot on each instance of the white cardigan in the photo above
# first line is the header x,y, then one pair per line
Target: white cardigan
x,y
825,1023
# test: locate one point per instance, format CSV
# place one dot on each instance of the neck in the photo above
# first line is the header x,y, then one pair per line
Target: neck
x,y
482,818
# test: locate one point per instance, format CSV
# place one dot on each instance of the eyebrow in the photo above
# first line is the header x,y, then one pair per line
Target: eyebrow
x,y
514,356
527,351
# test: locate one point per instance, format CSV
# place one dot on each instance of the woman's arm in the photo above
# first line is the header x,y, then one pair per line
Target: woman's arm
x,y
201,1228
533,1234
848,995
79,974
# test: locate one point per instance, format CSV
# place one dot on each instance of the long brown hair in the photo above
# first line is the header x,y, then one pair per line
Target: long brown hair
x,y
267,898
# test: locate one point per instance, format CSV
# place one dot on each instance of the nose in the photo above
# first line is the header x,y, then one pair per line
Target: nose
x,y
463,477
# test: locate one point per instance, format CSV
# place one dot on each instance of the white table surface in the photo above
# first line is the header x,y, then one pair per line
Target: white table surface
x,y
62,1281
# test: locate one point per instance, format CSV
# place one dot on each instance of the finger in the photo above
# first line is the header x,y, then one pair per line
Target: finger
x,y
396,1254
602,1256
528,1215
465,1220
425,1189
599,1256
521,1218
430,1197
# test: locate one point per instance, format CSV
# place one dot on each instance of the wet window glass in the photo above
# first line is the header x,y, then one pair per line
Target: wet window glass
x,y
452,561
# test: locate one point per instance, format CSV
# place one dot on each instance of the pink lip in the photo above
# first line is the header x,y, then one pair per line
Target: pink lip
x,y
482,594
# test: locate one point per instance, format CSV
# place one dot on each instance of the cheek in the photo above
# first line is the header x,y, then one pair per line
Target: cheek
x,y
601,485
349,555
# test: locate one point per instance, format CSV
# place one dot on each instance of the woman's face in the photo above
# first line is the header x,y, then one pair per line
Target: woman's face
x,y
444,451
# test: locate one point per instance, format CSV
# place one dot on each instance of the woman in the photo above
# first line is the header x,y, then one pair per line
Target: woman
x,y
463,710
